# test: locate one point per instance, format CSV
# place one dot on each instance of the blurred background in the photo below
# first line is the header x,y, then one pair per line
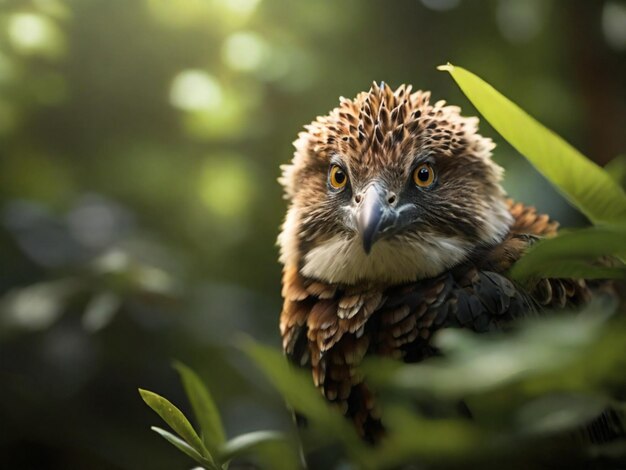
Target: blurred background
x,y
139,150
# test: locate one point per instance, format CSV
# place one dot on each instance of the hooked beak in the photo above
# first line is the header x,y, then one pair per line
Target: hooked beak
x,y
375,215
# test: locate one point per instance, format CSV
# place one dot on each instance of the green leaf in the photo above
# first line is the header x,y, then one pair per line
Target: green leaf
x,y
581,181
298,390
176,420
617,169
272,448
497,373
204,409
575,269
571,254
442,443
477,364
182,446
556,412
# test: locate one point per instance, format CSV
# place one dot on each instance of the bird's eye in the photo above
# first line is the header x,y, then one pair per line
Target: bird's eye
x,y
424,175
337,177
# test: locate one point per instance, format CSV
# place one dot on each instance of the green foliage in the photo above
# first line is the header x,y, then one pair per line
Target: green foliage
x,y
575,254
532,392
585,184
272,449
183,447
543,356
191,443
617,169
204,409
297,389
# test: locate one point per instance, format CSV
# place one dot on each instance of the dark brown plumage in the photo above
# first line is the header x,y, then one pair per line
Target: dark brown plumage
x,y
376,260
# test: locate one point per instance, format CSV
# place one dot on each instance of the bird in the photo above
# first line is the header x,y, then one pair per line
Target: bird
x,y
398,226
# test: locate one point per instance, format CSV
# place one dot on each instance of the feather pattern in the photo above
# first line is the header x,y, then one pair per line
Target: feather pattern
x,y
330,328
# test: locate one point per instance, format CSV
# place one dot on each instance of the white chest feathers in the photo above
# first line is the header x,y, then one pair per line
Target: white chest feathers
x,y
343,260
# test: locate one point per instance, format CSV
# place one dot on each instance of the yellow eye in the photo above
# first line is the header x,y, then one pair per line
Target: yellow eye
x,y
337,177
424,175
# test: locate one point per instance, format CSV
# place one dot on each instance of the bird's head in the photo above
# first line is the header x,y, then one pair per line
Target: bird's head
x,y
389,188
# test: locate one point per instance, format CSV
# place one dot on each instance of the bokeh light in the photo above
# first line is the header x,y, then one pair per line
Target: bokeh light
x,y
195,90
34,34
226,186
614,24
244,51
241,7
441,5
520,20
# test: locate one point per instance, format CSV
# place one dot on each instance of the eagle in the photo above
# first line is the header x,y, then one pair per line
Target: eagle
x,y
398,226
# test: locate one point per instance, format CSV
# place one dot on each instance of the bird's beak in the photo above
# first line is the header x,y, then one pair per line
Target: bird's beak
x,y
375,215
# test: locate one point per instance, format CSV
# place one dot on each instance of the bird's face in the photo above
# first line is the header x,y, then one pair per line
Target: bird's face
x,y
388,189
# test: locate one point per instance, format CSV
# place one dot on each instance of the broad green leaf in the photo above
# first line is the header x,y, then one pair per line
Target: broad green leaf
x,y
204,409
581,181
547,354
183,446
571,254
176,420
272,448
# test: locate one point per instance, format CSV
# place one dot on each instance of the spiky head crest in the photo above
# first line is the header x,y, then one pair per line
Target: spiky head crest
x,y
379,125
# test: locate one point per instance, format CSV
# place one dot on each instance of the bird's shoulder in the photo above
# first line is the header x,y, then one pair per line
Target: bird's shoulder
x,y
528,227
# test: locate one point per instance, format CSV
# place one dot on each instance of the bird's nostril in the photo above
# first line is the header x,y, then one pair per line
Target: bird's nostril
x,y
357,198
391,199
